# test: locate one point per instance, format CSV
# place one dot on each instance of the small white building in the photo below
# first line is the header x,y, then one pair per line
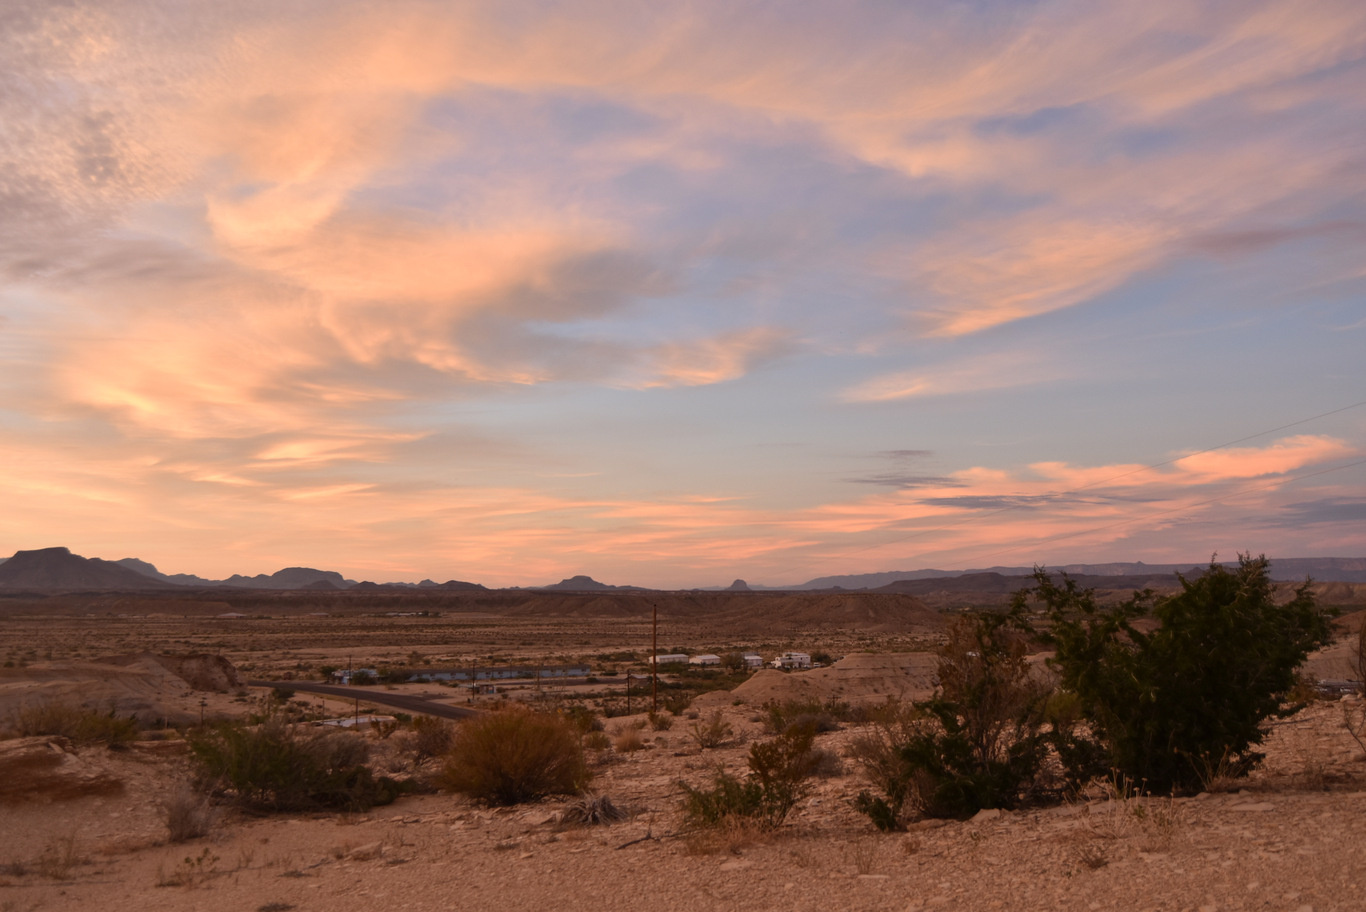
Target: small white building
x,y
707,659
673,658
793,660
753,660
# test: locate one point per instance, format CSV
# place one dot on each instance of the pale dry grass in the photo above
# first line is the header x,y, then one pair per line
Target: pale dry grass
x,y
730,836
628,740
188,815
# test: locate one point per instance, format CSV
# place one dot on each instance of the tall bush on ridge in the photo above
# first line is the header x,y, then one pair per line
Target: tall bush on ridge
x,y
1172,704
979,743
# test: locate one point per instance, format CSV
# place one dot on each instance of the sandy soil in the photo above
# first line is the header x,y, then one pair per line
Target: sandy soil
x,y
1290,838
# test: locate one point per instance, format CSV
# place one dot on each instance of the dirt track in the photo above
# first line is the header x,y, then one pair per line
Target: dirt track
x,y
364,694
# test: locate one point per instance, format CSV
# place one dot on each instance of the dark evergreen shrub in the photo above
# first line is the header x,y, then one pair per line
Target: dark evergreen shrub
x,y
1190,696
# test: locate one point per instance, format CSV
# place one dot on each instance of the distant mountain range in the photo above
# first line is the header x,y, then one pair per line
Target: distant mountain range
x,y
48,569
58,569
1323,569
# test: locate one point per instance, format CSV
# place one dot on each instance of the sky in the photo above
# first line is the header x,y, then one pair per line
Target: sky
x,y
674,294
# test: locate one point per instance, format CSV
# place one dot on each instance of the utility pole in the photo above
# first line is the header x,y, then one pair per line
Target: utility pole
x,y
654,658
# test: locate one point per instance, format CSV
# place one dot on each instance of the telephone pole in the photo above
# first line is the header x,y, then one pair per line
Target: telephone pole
x,y
654,658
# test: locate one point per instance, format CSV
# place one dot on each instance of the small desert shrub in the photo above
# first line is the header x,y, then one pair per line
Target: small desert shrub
x,y
591,810
583,718
877,749
193,871
281,767
824,715
1354,713
433,738
661,722
678,704
188,815
628,740
777,780
596,741
1221,775
81,725
714,732
979,743
826,764
515,755
729,837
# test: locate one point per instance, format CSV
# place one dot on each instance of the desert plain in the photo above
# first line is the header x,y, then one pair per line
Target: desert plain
x,y
1288,837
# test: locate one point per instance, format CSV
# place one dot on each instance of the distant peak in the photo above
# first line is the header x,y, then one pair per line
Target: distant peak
x,y
579,583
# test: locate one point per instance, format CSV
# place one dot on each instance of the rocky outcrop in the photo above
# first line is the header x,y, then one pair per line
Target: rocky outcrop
x,y
48,769
201,671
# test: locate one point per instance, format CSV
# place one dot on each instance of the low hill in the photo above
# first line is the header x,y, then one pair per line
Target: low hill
x,y
584,584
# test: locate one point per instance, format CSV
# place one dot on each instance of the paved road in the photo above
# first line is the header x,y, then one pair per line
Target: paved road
x,y
402,702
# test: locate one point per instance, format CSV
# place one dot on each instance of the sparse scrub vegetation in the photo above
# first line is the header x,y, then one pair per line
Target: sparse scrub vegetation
x,y
583,718
514,755
81,725
192,871
1354,714
777,780
979,743
825,715
188,815
277,766
591,810
432,738
628,740
713,732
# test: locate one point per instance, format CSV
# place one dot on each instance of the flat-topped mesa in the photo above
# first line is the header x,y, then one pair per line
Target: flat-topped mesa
x,y
59,569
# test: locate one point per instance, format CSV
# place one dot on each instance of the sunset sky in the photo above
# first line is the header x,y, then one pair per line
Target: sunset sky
x,y
670,294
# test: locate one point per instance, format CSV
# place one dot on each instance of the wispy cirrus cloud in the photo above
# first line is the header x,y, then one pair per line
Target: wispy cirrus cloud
x,y
354,255
970,374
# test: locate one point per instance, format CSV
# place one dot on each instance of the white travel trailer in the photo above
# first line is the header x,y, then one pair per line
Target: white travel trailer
x,y
673,658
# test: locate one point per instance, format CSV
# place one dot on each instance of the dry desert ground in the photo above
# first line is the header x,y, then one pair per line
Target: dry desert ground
x,y
1291,837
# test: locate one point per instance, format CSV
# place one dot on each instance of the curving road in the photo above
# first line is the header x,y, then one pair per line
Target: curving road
x,y
367,695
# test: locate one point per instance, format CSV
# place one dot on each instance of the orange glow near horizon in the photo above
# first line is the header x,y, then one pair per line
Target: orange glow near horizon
x,y
431,289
